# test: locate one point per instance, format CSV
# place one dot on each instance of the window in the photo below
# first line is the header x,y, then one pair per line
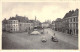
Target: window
x,y
11,22
71,20
77,31
14,21
11,29
74,19
76,24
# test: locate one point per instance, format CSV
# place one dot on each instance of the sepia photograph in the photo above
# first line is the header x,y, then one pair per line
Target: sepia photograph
x,y
40,25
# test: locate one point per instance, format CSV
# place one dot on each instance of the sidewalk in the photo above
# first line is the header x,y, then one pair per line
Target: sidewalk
x,y
75,36
66,38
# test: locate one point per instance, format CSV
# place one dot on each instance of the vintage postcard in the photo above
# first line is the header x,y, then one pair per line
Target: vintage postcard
x,y
40,25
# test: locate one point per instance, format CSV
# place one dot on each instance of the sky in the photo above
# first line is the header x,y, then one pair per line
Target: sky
x,y
42,10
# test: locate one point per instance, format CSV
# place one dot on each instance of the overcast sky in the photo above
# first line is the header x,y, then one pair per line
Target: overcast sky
x,y
42,10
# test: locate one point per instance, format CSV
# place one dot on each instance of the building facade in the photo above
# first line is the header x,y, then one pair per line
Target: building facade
x,y
25,27
69,23
18,24
12,26
45,25
58,24
65,25
73,23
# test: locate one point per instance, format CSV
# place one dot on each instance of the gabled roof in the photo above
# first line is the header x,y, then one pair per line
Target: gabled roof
x,y
20,19
12,18
75,13
69,14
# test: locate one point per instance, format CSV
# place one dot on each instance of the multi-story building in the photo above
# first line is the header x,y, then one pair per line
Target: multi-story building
x,y
65,21
69,24
25,26
58,24
19,24
65,25
12,25
73,23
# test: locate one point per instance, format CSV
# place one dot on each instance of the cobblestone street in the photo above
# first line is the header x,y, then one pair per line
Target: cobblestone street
x,y
26,41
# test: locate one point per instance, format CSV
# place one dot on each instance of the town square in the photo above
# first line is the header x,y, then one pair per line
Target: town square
x,y
39,25
26,41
